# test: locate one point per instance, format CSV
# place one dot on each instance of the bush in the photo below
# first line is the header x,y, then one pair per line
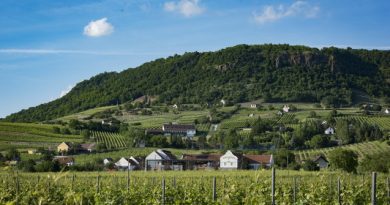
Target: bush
x,y
310,165
346,160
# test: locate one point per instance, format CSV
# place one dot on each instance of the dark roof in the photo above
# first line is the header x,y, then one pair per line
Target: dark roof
x,y
262,159
165,154
201,157
154,131
178,128
316,158
88,146
63,159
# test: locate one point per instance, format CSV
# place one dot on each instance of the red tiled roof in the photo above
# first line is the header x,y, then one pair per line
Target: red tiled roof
x,y
263,159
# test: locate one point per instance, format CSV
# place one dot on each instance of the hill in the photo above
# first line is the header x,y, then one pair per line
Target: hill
x,y
236,74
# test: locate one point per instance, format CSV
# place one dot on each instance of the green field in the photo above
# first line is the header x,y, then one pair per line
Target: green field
x,y
189,187
111,140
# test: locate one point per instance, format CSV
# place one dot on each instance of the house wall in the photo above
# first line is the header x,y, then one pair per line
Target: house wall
x,y
322,164
191,133
63,147
228,161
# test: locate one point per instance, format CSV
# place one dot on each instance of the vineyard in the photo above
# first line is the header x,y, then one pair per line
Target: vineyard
x,y
27,135
361,149
111,140
382,122
213,187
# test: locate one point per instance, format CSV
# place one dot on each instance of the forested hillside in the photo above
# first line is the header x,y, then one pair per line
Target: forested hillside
x,y
236,74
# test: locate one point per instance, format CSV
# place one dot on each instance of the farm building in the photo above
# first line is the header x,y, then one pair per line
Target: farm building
x,y
107,161
64,147
131,163
286,108
175,106
387,111
173,129
258,161
321,161
186,130
232,160
64,160
229,161
32,151
201,161
254,106
162,160
329,131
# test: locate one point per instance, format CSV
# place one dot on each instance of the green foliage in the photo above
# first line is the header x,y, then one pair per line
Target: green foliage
x,y
310,165
346,160
236,74
375,163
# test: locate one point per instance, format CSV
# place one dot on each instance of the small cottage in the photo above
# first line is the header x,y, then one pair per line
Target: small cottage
x,y
329,131
88,147
254,106
223,102
258,161
161,160
321,162
131,163
387,111
64,147
107,161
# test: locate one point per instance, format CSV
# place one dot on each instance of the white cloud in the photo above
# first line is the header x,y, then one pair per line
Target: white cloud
x,y
273,13
185,7
98,28
66,91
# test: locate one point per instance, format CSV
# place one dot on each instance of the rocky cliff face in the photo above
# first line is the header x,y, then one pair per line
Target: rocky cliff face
x,y
306,59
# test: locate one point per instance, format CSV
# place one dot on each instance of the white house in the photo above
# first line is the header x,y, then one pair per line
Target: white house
x,y
387,111
175,106
254,105
223,102
130,163
161,160
228,161
329,131
107,161
286,108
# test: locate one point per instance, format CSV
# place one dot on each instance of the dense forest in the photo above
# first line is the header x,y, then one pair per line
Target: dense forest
x,y
235,74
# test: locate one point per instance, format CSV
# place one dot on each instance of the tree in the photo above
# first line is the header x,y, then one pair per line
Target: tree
x,y
310,165
86,134
343,133
27,166
319,141
283,157
312,114
346,160
12,154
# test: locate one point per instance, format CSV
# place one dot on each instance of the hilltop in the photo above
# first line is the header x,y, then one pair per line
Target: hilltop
x,y
275,73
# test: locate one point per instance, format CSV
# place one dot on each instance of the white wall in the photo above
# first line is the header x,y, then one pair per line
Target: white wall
x,y
228,161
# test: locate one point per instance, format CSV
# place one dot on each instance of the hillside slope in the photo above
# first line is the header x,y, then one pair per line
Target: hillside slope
x,y
236,74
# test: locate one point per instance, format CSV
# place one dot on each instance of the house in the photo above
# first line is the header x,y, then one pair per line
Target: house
x,y
251,115
254,105
162,160
105,122
177,129
107,161
32,151
88,147
387,111
64,147
321,161
286,108
229,161
131,163
64,160
329,131
223,102
258,161
175,106
201,161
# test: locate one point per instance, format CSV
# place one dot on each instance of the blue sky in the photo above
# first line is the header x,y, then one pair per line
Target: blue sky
x,y
47,46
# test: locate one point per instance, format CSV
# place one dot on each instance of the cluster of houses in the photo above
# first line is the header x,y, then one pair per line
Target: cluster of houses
x,y
173,130
165,160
